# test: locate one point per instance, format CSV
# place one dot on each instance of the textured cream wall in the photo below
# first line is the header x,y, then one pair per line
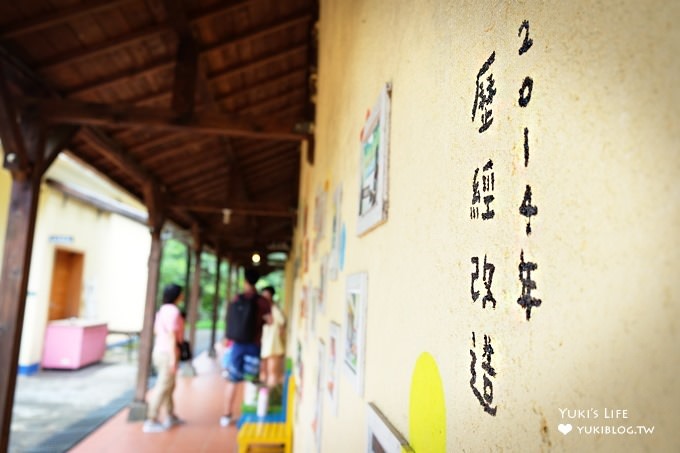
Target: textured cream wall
x,y
604,131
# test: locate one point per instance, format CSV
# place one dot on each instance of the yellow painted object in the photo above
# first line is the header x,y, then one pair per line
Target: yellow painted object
x,y
255,436
427,407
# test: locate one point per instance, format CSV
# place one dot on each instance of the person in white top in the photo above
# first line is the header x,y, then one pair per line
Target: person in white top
x,y
273,344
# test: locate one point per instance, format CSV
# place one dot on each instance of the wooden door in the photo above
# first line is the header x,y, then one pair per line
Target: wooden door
x,y
67,277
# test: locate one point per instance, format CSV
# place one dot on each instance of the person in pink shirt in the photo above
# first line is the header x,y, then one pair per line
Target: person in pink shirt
x,y
169,331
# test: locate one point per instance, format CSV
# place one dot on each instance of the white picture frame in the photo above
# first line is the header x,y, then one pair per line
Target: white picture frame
x,y
373,165
354,332
382,436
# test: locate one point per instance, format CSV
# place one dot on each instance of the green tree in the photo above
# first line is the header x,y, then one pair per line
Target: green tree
x,y
173,266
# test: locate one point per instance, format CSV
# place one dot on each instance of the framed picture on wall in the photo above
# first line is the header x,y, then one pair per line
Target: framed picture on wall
x,y
323,277
355,329
382,435
313,309
373,160
334,259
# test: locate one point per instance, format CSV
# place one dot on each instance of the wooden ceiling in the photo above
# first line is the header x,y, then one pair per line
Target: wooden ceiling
x,y
193,106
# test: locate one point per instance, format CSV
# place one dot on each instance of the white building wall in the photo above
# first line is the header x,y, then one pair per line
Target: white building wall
x,y
115,253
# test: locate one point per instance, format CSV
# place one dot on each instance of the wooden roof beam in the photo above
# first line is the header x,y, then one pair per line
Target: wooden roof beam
x,y
273,157
155,205
193,174
244,212
124,41
175,151
274,187
99,139
186,76
267,84
244,245
281,99
115,153
155,142
123,77
59,111
258,33
164,64
258,63
56,141
151,188
275,210
203,185
59,17
103,48
245,91
178,18
266,168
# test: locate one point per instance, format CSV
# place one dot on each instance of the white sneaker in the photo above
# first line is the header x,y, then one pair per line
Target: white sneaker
x,y
173,420
152,426
225,420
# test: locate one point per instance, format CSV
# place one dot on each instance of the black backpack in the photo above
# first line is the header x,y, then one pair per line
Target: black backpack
x,y
242,319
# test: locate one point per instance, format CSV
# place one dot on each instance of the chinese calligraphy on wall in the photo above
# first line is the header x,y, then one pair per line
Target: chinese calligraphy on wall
x,y
481,209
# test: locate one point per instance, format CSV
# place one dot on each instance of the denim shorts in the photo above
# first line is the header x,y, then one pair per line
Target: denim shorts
x,y
244,362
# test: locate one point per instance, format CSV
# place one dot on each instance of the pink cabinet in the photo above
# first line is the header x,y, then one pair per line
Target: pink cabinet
x,y
73,343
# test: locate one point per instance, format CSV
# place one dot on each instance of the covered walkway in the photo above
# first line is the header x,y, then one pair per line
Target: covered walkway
x,y
199,402
201,110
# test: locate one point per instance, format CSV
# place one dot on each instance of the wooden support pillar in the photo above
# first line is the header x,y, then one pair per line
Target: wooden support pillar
x,y
156,220
192,310
186,74
216,303
23,141
187,280
13,286
230,282
227,296
138,407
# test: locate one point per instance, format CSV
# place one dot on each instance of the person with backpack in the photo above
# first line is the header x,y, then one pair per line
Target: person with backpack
x,y
246,315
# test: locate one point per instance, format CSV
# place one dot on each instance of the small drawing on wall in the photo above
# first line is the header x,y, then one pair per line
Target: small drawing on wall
x,y
334,259
313,309
319,219
373,164
355,329
323,276
299,373
318,406
331,386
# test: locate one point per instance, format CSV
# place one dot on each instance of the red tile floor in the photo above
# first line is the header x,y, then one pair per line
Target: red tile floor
x,y
198,400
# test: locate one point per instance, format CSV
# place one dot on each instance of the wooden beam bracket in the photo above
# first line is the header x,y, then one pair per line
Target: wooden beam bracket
x,y
65,111
155,204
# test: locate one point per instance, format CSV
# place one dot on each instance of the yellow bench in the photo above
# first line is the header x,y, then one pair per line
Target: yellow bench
x,y
253,436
